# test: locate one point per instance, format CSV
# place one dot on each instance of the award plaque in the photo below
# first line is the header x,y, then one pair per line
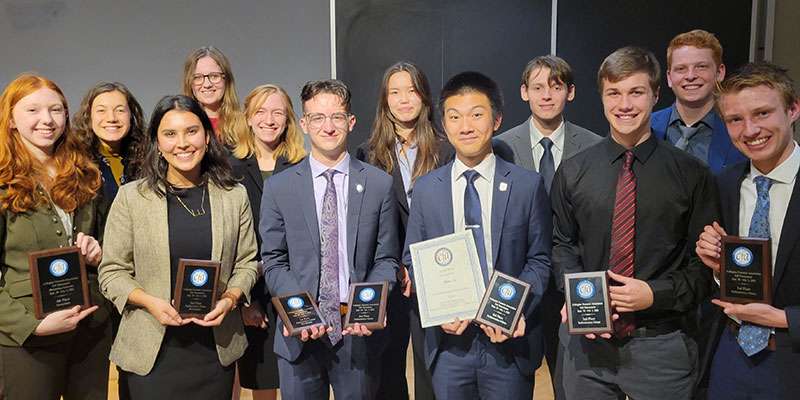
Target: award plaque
x,y
367,305
448,278
587,303
58,280
298,311
503,302
745,270
196,287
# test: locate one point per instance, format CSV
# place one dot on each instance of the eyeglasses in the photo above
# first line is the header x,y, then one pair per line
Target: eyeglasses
x,y
315,121
214,78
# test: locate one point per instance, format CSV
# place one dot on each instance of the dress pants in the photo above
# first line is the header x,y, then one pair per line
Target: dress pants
x,y
393,384
735,376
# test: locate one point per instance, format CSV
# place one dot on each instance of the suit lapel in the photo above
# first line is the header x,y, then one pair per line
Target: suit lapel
x,y
399,189
719,144
159,234
217,221
500,191
734,194
789,235
355,196
305,194
523,146
255,174
444,199
571,144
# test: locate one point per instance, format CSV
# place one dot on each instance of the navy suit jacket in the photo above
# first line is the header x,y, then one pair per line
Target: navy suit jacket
x,y
522,236
721,153
785,279
291,243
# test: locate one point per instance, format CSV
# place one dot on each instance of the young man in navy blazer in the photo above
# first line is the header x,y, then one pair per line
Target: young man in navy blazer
x,y
470,361
760,106
327,222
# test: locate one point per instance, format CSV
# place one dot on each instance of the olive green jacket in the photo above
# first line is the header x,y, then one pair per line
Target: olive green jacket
x,y
33,230
136,256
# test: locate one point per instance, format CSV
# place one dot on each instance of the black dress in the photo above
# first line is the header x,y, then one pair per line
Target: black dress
x,y
187,365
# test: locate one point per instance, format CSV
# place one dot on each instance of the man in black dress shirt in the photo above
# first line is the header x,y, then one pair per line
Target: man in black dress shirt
x,y
674,196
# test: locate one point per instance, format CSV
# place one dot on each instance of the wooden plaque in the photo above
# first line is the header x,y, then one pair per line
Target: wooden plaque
x,y
58,280
298,311
503,302
745,270
367,305
196,287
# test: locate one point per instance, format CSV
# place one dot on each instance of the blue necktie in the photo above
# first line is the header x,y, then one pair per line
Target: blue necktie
x,y
329,303
546,165
473,220
753,337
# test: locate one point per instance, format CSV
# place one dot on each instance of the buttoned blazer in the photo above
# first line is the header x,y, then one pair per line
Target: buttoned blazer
x,y
514,145
291,242
136,255
721,154
521,232
785,280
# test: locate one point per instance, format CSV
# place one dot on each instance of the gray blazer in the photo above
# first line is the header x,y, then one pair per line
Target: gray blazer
x,y
136,256
514,145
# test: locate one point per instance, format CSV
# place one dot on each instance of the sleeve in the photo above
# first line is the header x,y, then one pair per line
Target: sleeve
x,y
274,249
793,319
415,231
540,229
116,270
16,322
387,249
567,256
245,271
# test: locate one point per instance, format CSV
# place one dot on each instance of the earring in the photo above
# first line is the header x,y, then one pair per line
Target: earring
x,y
160,155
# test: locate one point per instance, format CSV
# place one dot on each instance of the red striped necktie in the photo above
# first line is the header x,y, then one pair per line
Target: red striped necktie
x,y
622,235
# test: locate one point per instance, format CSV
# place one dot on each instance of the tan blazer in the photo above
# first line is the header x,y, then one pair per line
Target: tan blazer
x,y
136,255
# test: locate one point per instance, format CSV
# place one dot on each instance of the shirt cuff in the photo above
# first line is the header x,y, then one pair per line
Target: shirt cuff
x,y
663,293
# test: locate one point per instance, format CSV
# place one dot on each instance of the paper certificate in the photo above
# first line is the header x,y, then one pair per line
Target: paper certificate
x,y
448,278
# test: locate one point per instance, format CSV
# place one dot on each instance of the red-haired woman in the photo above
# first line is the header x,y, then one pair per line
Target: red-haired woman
x,y
50,197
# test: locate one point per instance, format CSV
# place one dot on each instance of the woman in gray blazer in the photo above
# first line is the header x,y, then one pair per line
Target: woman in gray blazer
x,y
187,205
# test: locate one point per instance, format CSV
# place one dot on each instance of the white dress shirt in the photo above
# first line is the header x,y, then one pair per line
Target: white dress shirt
x,y
483,184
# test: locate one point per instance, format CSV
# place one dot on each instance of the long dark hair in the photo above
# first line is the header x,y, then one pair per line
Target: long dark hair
x,y
382,141
214,166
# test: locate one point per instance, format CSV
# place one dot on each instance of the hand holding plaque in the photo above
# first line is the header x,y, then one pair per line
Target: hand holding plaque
x,y
196,287
367,305
298,312
58,280
745,270
503,302
587,303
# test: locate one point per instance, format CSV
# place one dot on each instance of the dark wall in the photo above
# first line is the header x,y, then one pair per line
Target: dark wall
x,y
443,38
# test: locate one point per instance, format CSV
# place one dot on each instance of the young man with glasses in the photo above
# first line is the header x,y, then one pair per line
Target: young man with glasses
x,y
327,222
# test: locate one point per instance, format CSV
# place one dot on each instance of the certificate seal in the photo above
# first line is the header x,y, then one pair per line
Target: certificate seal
x,y
59,267
742,256
443,256
366,295
585,289
507,291
295,302
199,277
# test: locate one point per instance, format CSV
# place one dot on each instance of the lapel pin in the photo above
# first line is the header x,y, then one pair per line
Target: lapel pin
x,y
359,188
503,186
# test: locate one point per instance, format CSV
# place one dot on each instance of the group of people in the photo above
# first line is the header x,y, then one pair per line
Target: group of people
x,y
209,179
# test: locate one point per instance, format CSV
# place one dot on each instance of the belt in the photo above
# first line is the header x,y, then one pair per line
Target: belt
x,y
654,330
734,327
343,308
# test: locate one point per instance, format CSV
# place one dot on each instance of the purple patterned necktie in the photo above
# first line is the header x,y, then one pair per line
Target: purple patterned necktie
x,y
329,264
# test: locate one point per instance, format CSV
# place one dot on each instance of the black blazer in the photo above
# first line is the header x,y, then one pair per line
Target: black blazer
x,y
785,282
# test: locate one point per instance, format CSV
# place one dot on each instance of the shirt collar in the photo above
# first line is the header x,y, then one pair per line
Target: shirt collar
x,y
485,169
641,152
707,119
317,168
783,173
557,137
398,145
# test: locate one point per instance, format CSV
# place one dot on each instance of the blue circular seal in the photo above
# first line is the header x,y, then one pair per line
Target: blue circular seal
x,y
443,256
199,277
507,291
742,256
59,267
367,294
585,289
295,302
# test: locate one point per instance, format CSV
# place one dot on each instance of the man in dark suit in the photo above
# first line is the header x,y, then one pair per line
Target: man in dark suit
x,y
539,144
694,65
510,218
325,223
755,348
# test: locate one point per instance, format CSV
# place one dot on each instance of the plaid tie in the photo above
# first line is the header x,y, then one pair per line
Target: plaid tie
x,y
622,235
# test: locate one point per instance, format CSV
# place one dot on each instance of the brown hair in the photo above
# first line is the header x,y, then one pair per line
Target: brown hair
x,y
229,110
696,38
77,179
382,142
291,139
627,61
560,71
758,74
330,86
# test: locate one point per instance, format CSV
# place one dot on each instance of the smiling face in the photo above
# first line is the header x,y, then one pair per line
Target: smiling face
x,y
208,94
759,125
111,118
693,74
329,140
40,118
546,99
469,125
268,122
403,99
627,105
182,142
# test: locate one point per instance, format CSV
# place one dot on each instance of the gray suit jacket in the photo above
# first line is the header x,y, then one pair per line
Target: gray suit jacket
x,y
514,145
291,243
136,256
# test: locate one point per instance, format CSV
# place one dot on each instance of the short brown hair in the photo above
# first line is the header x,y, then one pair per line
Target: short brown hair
x,y
330,86
560,71
627,61
696,38
757,74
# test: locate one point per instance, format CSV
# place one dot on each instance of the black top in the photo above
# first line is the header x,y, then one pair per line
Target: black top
x,y
676,196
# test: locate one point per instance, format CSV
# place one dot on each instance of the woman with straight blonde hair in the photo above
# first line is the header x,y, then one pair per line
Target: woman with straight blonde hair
x,y
269,140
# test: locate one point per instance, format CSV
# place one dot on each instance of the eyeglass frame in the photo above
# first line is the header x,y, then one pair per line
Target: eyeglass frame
x,y
195,77
346,116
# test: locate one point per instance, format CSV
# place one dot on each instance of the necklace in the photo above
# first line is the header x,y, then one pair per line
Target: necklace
x,y
194,213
